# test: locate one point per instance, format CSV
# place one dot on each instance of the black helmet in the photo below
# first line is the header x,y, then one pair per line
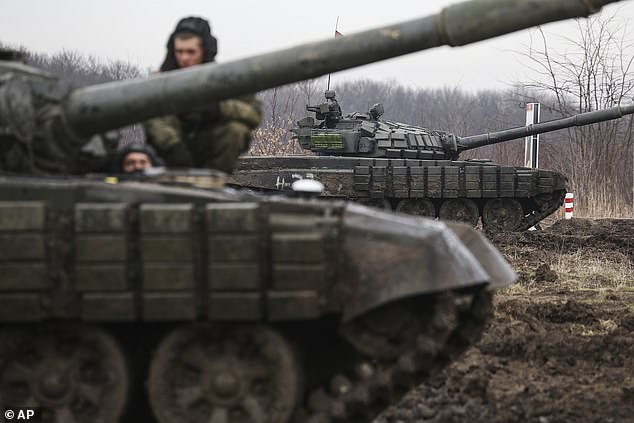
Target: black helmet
x,y
135,148
194,25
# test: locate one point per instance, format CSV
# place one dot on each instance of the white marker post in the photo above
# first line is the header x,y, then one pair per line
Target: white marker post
x,y
570,205
531,145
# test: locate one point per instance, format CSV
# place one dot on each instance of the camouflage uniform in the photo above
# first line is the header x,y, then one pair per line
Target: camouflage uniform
x,y
212,138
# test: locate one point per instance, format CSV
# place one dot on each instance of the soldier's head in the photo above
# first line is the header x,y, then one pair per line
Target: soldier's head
x,y
135,162
137,158
190,44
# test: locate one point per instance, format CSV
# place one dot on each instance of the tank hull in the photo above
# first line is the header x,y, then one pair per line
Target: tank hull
x,y
402,183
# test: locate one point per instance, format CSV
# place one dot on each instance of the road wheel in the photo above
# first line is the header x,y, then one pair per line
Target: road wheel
x,y
224,374
460,210
502,214
76,373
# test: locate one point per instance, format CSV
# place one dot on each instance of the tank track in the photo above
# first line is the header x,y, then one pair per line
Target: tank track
x,y
546,205
381,371
371,383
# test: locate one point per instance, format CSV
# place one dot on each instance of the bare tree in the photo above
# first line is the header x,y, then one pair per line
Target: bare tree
x,y
593,72
77,70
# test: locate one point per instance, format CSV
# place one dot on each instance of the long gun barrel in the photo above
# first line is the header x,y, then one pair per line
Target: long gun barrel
x,y
96,109
468,143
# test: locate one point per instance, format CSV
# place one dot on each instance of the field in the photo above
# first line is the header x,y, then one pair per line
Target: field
x,y
561,345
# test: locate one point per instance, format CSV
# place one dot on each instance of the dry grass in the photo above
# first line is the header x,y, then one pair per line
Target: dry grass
x,y
603,328
519,289
572,263
577,271
274,138
588,281
594,272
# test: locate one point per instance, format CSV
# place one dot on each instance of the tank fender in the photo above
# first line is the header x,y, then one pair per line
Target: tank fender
x,y
392,256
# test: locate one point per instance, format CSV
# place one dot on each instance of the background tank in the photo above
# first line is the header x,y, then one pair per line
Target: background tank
x,y
233,306
416,170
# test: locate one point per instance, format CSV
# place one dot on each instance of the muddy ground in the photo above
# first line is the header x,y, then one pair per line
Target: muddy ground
x,y
561,345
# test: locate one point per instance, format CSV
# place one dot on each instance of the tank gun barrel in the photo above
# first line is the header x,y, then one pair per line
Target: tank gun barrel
x,y
468,143
98,108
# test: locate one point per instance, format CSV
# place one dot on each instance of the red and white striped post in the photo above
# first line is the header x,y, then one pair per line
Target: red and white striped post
x,y
570,205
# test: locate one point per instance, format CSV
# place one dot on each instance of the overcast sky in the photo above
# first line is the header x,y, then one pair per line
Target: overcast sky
x,y
136,31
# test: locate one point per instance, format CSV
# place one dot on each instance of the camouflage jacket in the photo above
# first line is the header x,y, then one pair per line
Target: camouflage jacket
x,y
193,139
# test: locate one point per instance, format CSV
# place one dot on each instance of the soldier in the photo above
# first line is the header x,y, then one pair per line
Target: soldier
x,y
213,137
135,158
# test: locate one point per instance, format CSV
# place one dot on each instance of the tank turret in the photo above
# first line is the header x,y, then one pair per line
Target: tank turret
x,y
366,135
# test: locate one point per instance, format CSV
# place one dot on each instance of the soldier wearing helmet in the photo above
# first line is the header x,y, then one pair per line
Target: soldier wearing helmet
x,y
215,136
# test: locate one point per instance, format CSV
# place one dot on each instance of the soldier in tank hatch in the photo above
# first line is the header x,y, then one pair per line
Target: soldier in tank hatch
x,y
135,158
213,137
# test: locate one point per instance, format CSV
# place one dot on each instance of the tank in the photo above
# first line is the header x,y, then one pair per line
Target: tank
x,y
225,305
176,297
417,170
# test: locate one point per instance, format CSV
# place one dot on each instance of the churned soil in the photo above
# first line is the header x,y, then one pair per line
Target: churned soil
x,y
560,347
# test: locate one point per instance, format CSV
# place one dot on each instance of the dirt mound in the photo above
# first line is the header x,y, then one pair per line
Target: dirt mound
x,y
544,274
561,345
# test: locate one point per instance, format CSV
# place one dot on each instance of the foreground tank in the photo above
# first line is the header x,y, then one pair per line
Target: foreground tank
x,y
227,306
233,306
416,170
